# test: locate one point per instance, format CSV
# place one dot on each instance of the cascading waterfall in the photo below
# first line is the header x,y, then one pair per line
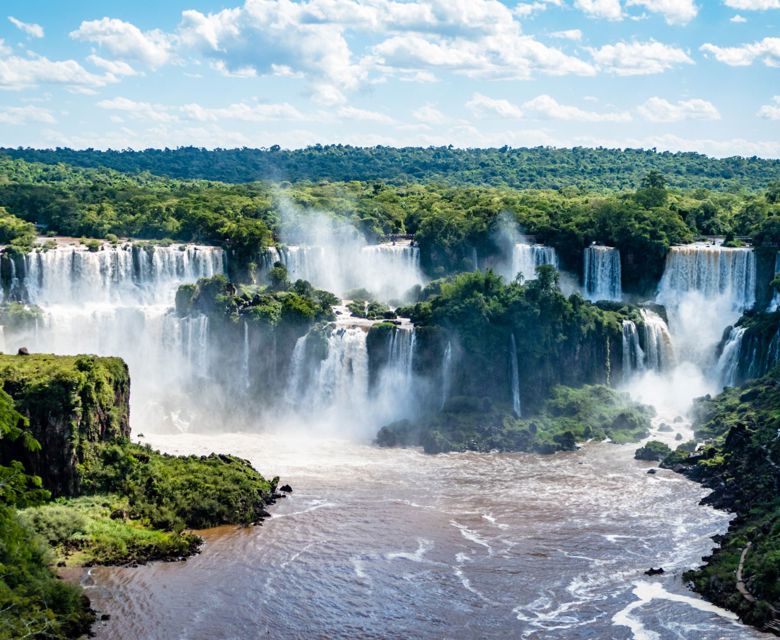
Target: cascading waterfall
x,y
397,375
129,275
712,271
117,301
658,348
601,274
337,388
774,305
633,356
527,257
298,369
728,363
516,408
705,288
446,374
341,383
773,353
188,336
245,358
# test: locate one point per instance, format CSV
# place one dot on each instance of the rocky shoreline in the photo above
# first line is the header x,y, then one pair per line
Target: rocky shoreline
x,y
740,430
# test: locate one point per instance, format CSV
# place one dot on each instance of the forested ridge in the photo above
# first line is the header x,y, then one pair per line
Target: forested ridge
x,y
519,168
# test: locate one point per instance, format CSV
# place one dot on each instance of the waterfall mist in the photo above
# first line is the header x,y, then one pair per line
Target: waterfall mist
x,y
519,255
333,255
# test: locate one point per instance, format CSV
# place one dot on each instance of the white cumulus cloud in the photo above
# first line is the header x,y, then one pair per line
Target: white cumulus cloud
x,y
766,50
771,111
753,5
19,73
609,9
675,12
24,115
429,114
568,34
548,107
355,113
240,111
481,105
126,41
639,58
114,67
660,110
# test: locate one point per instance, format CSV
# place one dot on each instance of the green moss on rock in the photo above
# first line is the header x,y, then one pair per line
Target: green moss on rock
x,y
70,402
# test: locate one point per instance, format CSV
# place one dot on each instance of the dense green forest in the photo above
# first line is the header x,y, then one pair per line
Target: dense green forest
x,y
449,222
523,168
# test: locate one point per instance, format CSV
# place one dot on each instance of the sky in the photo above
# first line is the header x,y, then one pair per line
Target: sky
x,y
680,75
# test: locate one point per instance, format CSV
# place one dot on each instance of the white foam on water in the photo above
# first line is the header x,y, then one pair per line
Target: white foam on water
x,y
423,547
646,592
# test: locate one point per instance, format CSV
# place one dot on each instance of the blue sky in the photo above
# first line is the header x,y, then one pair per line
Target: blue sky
x,y
700,75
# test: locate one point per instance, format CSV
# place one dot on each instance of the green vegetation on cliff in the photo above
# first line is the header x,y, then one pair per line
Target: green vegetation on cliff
x,y
740,461
481,318
67,416
70,402
282,305
567,417
33,602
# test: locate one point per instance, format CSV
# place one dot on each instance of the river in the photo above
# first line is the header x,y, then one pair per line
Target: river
x,y
392,543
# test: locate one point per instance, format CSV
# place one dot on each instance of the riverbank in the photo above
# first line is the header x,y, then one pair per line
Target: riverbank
x,y
739,462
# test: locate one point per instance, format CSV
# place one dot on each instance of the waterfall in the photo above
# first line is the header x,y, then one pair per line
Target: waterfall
x,y
527,257
728,363
774,305
298,370
245,357
633,356
773,352
397,374
127,275
341,384
338,389
474,259
712,271
516,408
387,270
117,301
446,374
658,348
602,280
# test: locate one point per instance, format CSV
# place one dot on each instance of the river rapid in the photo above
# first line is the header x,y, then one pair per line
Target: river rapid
x,y
392,543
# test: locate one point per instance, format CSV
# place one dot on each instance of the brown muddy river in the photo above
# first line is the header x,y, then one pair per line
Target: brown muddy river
x,y
380,543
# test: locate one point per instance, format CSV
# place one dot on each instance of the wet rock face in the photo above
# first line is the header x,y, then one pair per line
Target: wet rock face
x,y
70,401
